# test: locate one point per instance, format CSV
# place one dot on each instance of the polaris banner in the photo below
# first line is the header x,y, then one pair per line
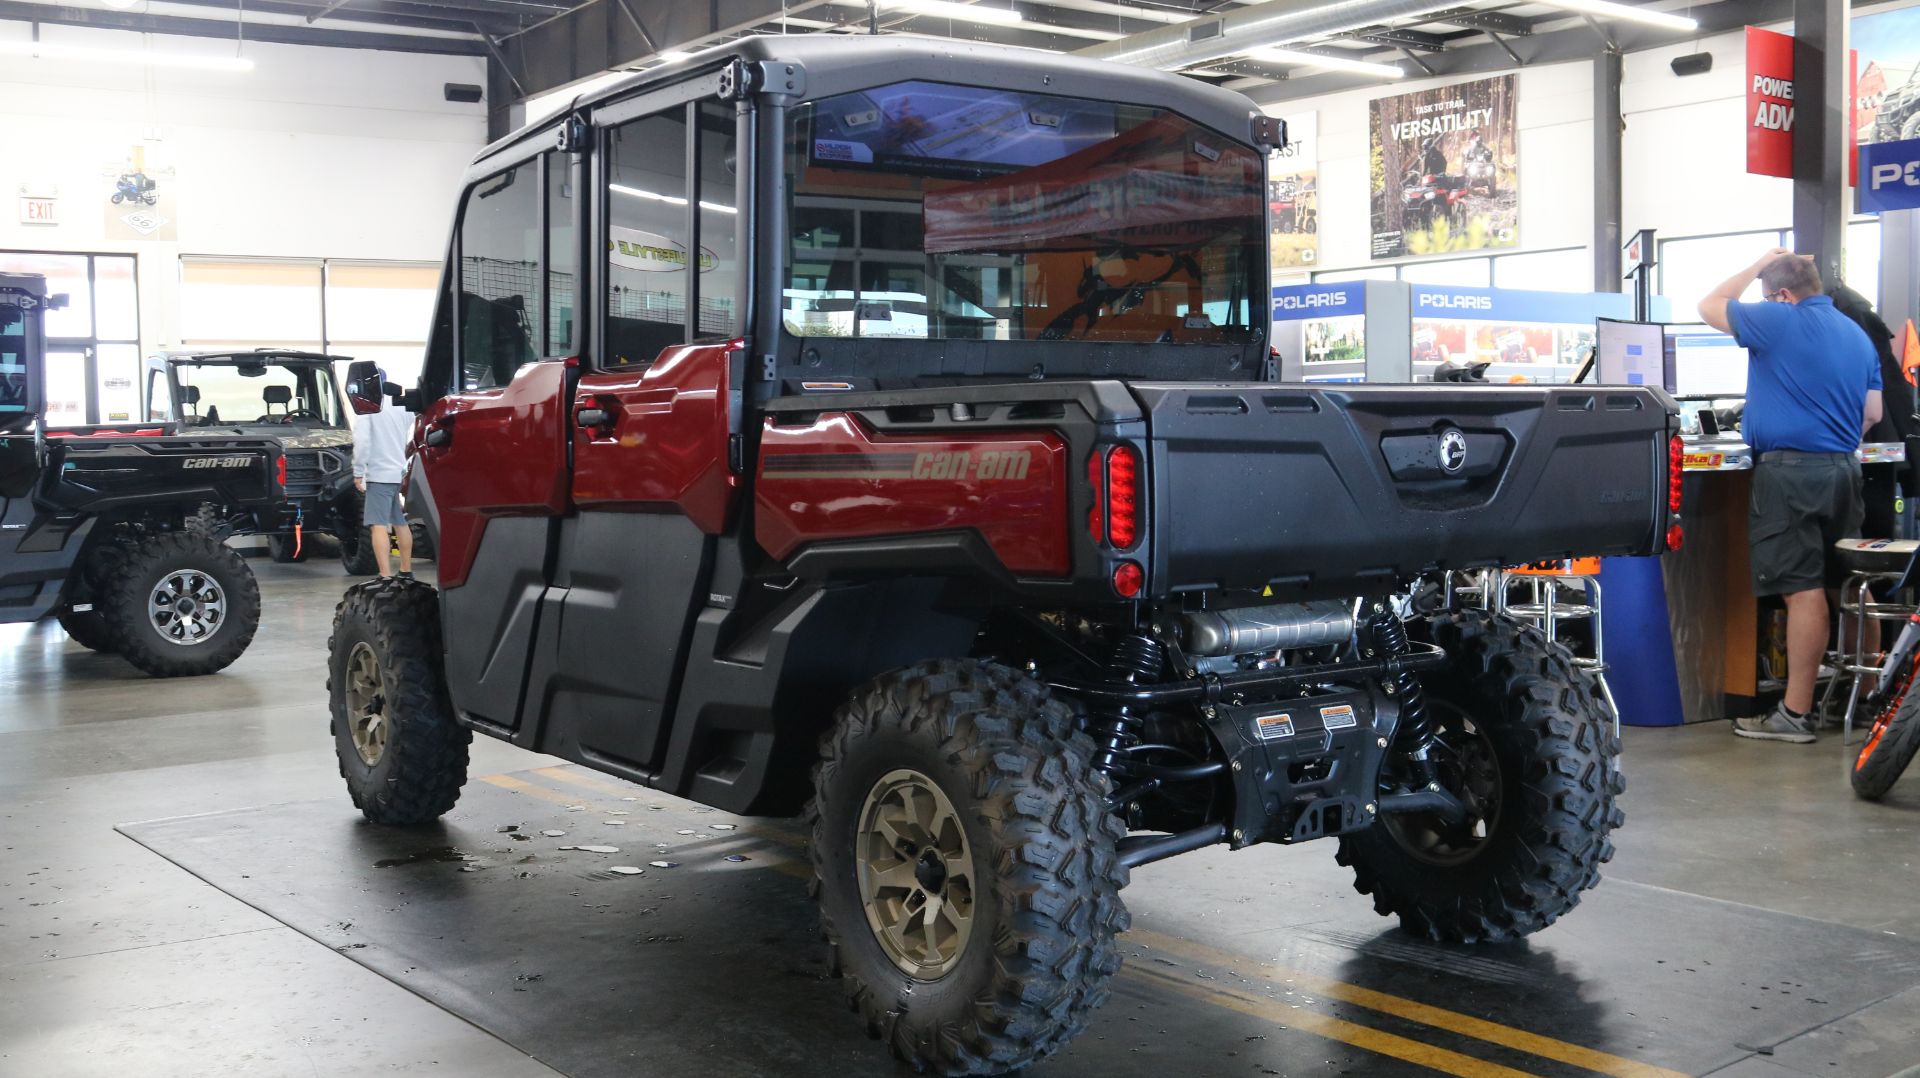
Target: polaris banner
x,y
1445,170
1318,300
1506,305
1890,176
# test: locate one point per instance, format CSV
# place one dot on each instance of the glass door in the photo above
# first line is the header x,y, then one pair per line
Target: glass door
x,y
93,343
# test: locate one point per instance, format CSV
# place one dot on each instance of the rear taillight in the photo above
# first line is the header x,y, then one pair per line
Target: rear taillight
x,y
1128,578
1676,471
280,470
1123,497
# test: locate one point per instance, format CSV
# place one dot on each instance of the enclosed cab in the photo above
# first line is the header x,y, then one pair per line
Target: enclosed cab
x,y
885,429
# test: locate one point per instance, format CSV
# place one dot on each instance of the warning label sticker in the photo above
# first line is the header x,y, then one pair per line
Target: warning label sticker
x,y
1272,727
1337,716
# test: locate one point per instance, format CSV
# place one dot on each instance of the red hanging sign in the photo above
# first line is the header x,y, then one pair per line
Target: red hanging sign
x,y
1769,103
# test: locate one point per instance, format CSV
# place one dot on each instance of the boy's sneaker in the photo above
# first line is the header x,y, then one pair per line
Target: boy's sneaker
x,y
1776,725
404,575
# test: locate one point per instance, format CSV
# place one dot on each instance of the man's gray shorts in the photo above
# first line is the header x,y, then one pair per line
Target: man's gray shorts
x,y
1802,504
383,506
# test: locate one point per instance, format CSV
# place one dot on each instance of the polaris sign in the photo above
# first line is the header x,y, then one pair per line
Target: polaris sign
x,y
1890,175
1291,302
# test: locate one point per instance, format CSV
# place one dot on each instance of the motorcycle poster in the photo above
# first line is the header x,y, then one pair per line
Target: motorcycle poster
x,y
137,193
1445,170
1293,195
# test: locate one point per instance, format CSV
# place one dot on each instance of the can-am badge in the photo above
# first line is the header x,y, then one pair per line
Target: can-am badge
x,y
1453,450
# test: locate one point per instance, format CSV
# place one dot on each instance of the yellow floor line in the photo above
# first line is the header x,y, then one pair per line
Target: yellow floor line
x,y
1425,1014
1338,1029
590,782
521,786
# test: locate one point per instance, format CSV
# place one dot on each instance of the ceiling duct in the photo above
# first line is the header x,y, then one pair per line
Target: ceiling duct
x,y
1277,22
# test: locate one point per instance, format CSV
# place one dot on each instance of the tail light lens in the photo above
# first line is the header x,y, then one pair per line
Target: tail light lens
x,y
1123,497
1128,578
1676,471
280,470
1096,517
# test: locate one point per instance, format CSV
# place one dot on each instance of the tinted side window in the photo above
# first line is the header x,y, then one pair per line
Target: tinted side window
x,y
500,277
646,238
719,281
159,397
562,254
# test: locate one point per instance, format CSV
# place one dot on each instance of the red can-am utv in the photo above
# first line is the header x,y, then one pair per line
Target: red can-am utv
x,y
884,429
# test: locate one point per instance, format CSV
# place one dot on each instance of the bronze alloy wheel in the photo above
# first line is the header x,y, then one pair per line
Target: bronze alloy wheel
x,y
916,874
366,704
1469,768
187,607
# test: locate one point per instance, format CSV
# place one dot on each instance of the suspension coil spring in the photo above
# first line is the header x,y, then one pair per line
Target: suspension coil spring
x,y
1390,636
1137,660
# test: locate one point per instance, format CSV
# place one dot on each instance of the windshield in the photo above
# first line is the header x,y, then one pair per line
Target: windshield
x,y
256,392
926,210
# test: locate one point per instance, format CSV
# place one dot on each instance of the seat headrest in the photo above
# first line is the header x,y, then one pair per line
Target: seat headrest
x,y
277,394
189,394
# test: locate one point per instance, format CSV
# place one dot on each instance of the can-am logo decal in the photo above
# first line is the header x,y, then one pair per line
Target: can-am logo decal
x,y
956,465
216,462
1309,301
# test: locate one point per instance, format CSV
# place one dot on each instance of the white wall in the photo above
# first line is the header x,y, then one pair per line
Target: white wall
x,y
318,152
1555,115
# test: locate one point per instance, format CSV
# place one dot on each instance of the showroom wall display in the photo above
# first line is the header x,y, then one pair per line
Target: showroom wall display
x,y
138,193
1293,189
1445,169
1887,94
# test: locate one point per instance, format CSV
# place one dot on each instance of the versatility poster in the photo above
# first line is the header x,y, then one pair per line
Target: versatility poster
x,y
1445,170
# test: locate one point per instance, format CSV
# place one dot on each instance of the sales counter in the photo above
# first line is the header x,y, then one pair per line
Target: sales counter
x,y
1717,634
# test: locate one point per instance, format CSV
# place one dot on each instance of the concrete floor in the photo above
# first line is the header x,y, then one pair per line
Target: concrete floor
x,y
1758,922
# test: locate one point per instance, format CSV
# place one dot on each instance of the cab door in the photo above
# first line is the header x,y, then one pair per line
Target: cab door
x,y
651,425
490,460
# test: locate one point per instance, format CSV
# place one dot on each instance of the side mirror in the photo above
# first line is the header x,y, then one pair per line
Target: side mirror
x,y
366,383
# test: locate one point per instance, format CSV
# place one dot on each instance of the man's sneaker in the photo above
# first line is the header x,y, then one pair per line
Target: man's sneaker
x,y
404,575
1776,725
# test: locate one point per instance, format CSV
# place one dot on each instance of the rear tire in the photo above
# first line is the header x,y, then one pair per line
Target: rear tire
x,y
1891,743
1017,870
403,756
356,544
180,604
281,549
89,630
1514,711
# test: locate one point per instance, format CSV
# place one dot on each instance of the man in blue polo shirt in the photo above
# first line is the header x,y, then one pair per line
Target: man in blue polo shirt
x,y
1813,388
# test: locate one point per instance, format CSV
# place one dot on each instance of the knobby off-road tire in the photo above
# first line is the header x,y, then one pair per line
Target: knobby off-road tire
x,y
356,543
1892,740
281,549
1549,809
179,604
403,756
1042,894
88,628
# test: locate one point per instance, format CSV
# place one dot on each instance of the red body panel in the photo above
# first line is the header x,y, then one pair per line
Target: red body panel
x,y
665,446
837,479
506,457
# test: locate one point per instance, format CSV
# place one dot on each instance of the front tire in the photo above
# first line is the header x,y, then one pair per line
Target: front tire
x,y
88,629
179,604
1892,740
1530,750
403,756
965,867
356,543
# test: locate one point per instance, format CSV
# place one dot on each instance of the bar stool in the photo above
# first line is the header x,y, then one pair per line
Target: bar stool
x,y
1545,609
1870,564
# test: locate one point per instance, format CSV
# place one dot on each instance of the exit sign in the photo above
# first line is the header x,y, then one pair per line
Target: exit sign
x,y
37,211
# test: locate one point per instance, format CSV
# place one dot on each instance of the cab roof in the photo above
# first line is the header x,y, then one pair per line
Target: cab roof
x,y
828,64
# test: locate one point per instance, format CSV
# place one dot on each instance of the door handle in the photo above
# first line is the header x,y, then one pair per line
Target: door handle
x,y
438,436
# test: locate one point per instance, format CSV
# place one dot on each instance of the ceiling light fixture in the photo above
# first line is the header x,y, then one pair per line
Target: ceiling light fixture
x,y
121,5
946,9
1325,63
51,50
1607,9
674,56
676,200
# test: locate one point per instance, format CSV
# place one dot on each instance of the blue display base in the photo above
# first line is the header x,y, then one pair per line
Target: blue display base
x,y
1639,642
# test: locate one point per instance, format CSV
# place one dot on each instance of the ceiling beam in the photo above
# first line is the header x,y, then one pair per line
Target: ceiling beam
x,y
1417,40
1491,21
275,33
411,13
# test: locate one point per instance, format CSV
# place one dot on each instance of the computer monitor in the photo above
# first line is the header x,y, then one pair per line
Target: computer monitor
x,y
1703,362
1630,353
